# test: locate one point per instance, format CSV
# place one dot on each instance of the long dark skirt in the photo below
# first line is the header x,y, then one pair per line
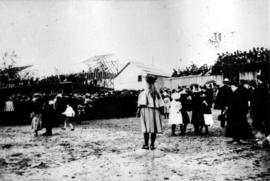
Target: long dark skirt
x,y
185,117
238,128
197,118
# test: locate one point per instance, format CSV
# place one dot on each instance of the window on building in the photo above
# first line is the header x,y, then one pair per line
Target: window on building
x,y
139,78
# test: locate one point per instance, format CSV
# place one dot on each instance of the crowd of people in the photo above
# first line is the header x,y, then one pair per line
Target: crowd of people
x,y
80,78
188,105
243,57
181,106
240,60
192,70
49,110
194,104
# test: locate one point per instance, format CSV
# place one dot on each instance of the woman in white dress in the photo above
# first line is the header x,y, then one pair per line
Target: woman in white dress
x,y
175,117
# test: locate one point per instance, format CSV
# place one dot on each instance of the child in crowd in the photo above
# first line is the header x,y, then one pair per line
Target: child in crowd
x,y
206,110
69,113
36,115
166,106
175,112
80,113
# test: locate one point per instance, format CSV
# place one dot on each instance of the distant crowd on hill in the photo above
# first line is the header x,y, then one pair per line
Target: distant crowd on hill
x,y
241,60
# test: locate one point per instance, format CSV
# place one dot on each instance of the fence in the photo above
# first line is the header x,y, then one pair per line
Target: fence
x,y
174,82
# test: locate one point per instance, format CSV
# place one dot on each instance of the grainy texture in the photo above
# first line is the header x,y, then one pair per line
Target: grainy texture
x,y
110,150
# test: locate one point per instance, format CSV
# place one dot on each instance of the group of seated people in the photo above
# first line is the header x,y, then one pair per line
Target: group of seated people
x,y
258,54
243,58
80,78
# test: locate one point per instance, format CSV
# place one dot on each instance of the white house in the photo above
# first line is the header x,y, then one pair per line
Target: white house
x,y
132,76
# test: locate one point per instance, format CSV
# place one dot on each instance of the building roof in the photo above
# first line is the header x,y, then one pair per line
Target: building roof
x,y
97,58
149,70
14,69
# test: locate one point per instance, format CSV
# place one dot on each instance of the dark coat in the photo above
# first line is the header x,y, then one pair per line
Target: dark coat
x,y
48,115
60,105
258,103
238,104
185,107
223,97
238,126
38,106
206,105
197,111
210,96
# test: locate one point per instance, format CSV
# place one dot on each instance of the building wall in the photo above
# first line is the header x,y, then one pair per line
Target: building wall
x,y
128,79
174,82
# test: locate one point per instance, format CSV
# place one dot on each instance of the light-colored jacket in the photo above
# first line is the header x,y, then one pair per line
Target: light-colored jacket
x,y
69,112
9,106
145,99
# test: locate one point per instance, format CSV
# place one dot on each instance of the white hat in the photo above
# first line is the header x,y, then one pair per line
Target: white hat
x,y
226,80
175,96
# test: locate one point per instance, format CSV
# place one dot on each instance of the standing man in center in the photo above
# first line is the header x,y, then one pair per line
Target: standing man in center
x,y
149,105
222,100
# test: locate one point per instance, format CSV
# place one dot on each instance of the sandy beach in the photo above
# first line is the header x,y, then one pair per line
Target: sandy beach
x,y
111,150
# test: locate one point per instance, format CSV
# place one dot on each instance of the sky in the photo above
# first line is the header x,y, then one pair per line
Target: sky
x,y
56,36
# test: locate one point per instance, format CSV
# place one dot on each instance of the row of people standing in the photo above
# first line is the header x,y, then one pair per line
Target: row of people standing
x,y
42,111
184,106
46,110
16,109
236,100
233,99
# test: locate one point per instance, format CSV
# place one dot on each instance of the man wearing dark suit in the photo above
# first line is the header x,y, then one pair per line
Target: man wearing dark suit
x,y
237,125
258,105
222,100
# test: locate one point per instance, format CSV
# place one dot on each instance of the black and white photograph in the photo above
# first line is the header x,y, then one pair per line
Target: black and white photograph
x,y
134,90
